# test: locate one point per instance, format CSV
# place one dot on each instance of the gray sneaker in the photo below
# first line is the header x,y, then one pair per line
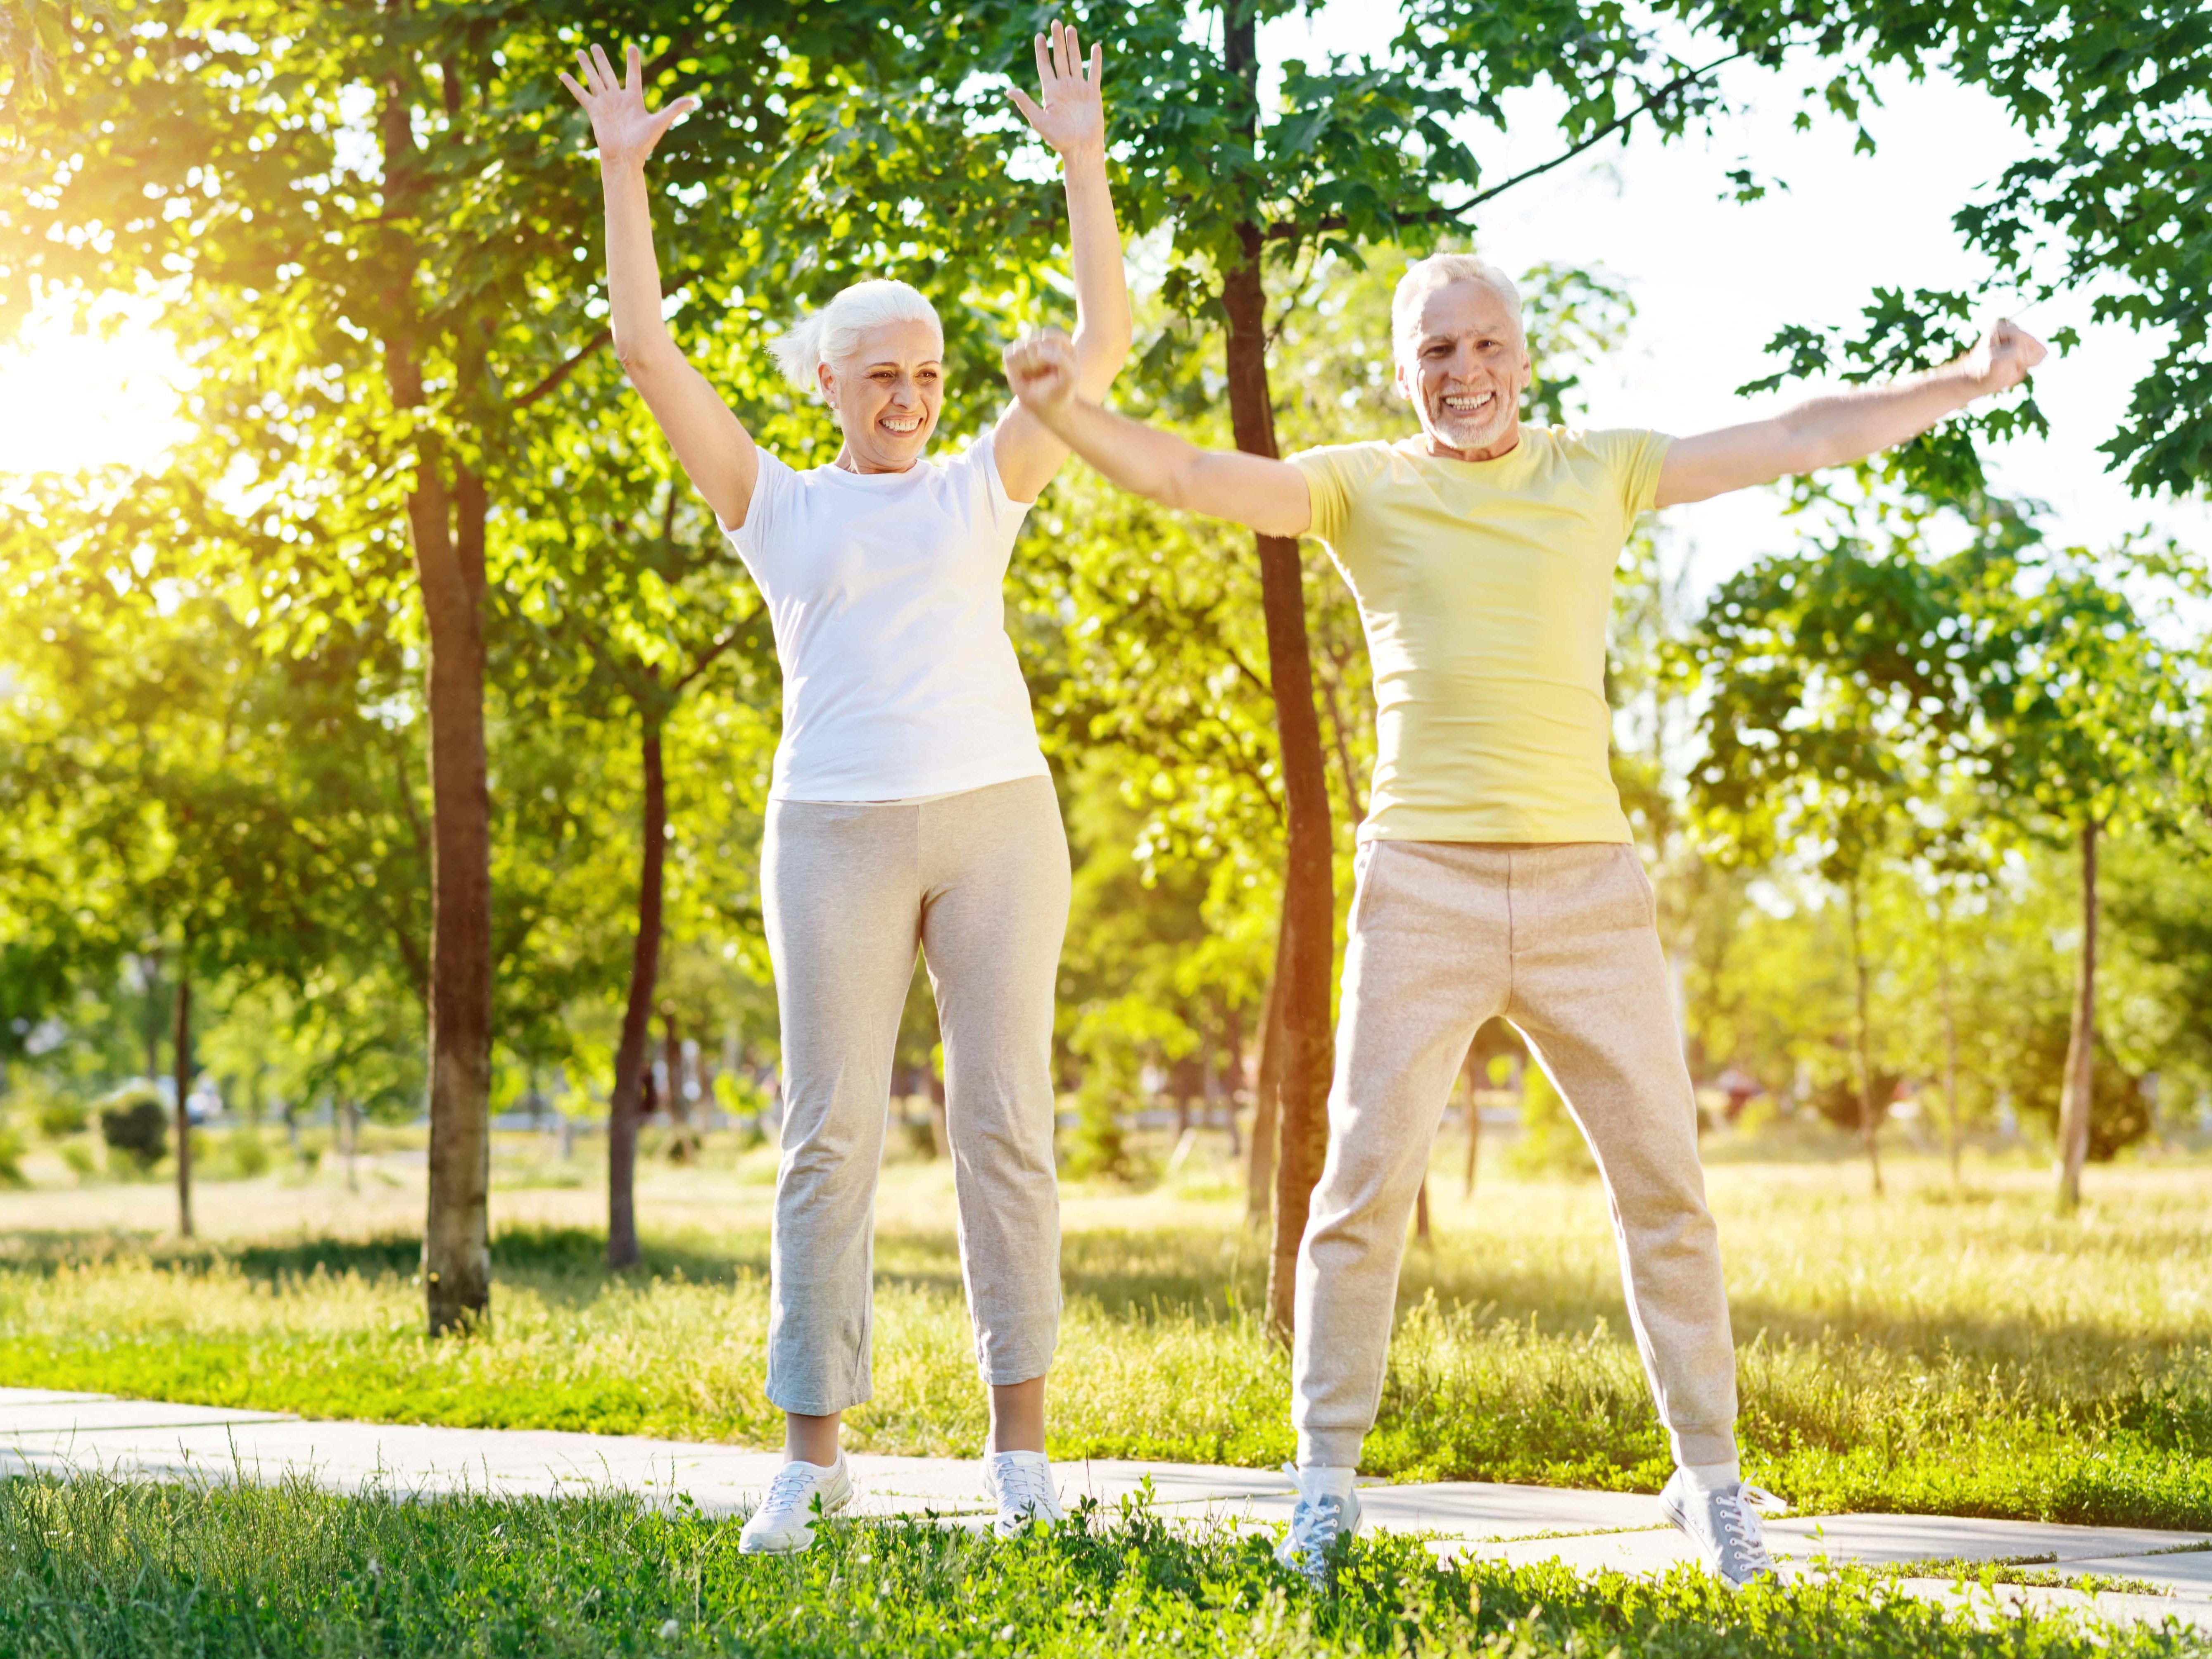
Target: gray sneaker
x,y
1318,1521
1724,1526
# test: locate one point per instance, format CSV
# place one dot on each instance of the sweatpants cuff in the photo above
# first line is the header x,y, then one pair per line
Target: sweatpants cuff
x,y
1335,1449
816,1404
1711,1445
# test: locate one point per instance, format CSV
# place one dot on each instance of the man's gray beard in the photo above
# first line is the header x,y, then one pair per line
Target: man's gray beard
x,y
1453,435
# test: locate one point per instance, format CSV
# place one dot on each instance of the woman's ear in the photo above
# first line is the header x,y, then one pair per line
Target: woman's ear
x,y
825,382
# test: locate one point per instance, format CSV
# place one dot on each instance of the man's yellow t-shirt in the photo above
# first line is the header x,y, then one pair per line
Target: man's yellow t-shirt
x,y
1485,588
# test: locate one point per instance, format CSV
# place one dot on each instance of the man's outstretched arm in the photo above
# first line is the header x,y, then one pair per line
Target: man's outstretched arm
x,y
1847,426
1268,496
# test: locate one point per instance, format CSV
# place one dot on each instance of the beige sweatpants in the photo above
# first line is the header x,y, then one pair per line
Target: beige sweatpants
x,y
1560,940
980,881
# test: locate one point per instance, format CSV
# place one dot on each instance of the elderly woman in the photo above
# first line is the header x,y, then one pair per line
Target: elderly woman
x,y
910,802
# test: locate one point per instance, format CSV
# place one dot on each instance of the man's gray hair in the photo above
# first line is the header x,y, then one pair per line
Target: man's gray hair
x,y
1441,270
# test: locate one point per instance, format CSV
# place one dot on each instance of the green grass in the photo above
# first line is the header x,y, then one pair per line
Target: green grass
x,y
1934,1352
169,1572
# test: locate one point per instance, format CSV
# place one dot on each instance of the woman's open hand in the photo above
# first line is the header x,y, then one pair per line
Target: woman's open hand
x,y
1071,119
623,128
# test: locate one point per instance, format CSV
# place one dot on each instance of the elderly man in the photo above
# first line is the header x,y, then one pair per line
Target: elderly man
x,y
1496,872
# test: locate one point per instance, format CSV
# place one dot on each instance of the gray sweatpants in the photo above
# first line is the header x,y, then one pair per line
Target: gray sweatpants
x,y
980,881
1560,940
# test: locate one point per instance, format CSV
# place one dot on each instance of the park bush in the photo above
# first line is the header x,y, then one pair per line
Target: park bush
x,y
249,1153
135,1124
1550,1142
56,1112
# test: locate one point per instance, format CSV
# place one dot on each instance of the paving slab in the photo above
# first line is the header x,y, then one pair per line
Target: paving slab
x,y
1998,1603
2187,1573
52,1417
150,1439
1892,1540
46,1396
1650,1550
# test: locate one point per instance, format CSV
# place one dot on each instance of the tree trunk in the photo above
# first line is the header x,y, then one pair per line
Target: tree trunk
x,y
352,1111
637,1014
683,1137
940,1136
1869,1129
457,1237
180,1067
446,528
1267,1089
1950,1037
1232,1039
1472,1069
2082,1042
1309,899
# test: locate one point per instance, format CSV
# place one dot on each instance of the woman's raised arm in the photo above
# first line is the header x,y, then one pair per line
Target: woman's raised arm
x,y
1073,120
716,450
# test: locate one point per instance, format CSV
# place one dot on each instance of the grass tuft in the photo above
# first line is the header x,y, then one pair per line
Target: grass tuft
x,y
131,1571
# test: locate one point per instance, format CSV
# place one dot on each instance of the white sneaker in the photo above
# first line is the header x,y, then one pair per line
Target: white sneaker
x,y
784,1522
1321,1515
1020,1484
1724,1526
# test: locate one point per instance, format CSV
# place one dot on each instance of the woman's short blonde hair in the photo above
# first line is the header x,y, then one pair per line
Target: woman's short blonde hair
x,y
832,334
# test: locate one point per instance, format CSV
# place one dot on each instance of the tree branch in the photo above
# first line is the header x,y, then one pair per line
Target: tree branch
x,y
705,661
1285,229
553,380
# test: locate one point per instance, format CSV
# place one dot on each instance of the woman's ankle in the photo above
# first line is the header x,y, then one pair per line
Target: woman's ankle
x,y
811,1439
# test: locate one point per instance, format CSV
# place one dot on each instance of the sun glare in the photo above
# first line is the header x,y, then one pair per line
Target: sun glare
x,y
69,402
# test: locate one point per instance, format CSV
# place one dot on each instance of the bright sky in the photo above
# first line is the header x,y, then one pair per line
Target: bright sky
x,y
1712,281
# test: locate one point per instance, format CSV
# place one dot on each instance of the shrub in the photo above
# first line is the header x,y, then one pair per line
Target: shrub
x,y
1838,1099
11,1156
60,1116
135,1124
1551,1140
79,1157
1095,1144
249,1156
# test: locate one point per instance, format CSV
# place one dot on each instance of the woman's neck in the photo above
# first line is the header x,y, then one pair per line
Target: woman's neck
x,y
847,461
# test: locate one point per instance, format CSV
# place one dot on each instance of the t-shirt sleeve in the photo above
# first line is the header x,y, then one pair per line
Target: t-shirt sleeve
x,y
976,467
1333,478
1633,457
765,511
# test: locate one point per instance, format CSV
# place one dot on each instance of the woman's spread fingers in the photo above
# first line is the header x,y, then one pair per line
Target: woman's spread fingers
x,y
633,67
1097,66
1075,52
1030,113
607,75
1043,62
574,91
591,75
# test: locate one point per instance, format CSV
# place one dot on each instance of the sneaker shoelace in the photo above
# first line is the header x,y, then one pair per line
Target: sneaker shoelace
x,y
1024,1488
1315,1522
1739,1519
791,1487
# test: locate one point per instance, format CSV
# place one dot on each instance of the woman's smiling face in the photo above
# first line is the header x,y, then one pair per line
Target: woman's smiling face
x,y
888,395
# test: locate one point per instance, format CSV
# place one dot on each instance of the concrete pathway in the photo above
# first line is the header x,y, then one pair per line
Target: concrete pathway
x,y
2169,1574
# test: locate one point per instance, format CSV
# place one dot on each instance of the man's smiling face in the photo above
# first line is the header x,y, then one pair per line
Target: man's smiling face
x,y
1463,364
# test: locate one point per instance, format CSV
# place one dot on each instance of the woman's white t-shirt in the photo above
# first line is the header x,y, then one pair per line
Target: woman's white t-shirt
x,y
884,590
